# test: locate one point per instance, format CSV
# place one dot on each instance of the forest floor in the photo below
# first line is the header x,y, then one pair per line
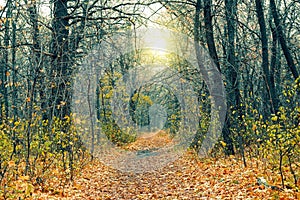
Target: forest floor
x,y
186,178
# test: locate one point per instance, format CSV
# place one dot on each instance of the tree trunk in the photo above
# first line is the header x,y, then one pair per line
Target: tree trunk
x,y
233,100
271,95
209,33
284,47
60,70
275,65
4,72
212,77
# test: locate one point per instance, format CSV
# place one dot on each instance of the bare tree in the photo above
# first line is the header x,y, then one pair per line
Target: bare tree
x,y
283,43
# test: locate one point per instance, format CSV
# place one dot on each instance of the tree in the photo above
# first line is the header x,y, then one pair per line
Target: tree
x,y
60,71
283,43
270,85
231,72
209,32
5,62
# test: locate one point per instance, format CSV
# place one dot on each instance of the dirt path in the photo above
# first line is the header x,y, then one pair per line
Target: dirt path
x,y
186,178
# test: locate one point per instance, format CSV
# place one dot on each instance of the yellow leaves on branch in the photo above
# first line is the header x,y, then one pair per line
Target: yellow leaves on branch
x,y
274,118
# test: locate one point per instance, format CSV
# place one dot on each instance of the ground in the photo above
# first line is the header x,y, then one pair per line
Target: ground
x,y
186,178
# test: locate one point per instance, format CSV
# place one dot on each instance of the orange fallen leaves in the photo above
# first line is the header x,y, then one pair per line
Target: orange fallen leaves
x,y
189,177
150,141
186,178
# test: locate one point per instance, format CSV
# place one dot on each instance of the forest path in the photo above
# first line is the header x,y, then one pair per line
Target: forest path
x,y
186,178
151,140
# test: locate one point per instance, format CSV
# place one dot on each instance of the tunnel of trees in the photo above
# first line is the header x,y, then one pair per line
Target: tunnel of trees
x,y
253,44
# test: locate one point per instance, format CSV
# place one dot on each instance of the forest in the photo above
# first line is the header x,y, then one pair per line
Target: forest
x,y
140,99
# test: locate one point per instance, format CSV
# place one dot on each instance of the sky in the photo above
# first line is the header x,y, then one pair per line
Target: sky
x,y
44,8
2,3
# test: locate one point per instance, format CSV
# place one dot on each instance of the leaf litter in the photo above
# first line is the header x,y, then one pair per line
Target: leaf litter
x,y
188,177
